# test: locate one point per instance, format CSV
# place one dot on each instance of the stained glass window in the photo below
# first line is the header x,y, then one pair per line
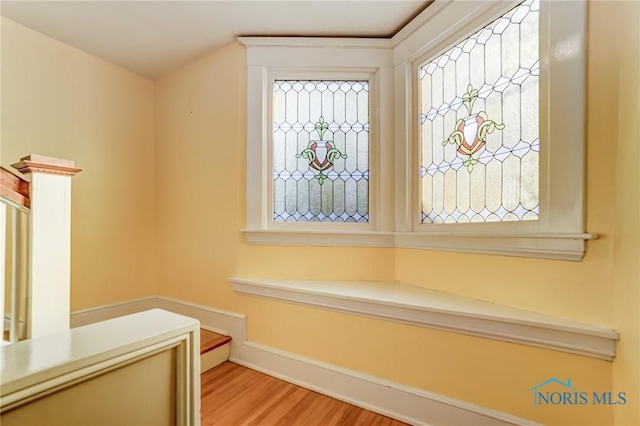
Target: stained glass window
x,y
320,151
479,135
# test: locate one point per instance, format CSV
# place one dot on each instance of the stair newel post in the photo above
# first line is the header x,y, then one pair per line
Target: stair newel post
x,y
49,269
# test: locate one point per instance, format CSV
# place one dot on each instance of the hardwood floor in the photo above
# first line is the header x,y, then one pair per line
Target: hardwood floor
x,y
233,395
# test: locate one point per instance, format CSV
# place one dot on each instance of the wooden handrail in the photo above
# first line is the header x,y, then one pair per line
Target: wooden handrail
x,y
14,188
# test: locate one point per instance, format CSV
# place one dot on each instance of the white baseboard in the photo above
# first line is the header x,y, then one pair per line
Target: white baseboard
x,y
404,403
410,405
113,310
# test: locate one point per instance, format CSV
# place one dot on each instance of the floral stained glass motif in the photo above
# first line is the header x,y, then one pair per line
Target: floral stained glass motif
x,y
321,151
479,131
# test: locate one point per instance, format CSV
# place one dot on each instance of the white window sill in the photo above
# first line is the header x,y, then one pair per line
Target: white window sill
x,y
408,304
568,246
319,238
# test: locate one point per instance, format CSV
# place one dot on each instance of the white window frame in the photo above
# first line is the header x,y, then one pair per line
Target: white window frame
x,y
394,202
559,231
281,58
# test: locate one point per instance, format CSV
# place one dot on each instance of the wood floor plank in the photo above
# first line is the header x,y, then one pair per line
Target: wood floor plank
x,y
233,395
279,407
334,412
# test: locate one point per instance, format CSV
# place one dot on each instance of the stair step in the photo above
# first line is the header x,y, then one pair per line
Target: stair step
x,y
210,340
214,349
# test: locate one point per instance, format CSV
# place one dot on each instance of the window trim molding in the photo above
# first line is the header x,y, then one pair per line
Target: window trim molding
x,y
319,238
270,58
545,246
560,231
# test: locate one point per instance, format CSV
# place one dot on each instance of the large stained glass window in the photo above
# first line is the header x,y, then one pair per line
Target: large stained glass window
x,y
320,151
479,135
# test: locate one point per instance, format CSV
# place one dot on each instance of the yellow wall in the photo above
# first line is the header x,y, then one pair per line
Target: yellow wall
x,y
626,265
199,195
201,149
61,102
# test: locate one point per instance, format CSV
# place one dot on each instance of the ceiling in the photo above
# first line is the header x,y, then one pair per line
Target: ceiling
x,y
154,37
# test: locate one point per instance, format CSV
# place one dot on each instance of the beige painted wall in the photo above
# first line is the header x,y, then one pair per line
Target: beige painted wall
x,y
626,265
124,396
49,94
201,148
61,102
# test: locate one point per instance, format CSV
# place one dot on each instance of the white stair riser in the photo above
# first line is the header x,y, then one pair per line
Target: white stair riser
x,y
214,357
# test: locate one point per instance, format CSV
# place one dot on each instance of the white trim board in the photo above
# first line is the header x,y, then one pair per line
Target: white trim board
x,y
106,312
407,304
411,405
37,367
404,403
546,246
215,320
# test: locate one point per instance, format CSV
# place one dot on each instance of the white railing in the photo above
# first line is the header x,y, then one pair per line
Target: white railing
x,y
35,247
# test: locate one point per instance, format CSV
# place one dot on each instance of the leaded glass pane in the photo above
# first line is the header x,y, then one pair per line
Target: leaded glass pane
x,y
479,127
320,151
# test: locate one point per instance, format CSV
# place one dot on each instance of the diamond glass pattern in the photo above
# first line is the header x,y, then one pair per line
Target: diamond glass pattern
x,y
340,191
479,134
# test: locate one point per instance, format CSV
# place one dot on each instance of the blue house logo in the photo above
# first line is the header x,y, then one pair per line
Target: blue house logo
x,y
556,392
553,398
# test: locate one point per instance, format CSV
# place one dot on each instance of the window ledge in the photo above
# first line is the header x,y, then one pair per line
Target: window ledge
x,y
547,246
319,238
562,246
408,304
